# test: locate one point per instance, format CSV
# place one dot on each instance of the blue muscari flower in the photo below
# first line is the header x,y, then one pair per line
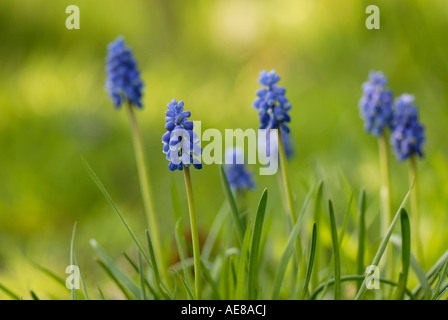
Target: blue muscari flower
x,y
272,105
123,81
238,175
180,143
408,133
376,104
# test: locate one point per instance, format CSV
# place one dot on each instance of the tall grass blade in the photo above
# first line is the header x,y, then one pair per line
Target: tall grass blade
x,y
254,250
141,274
361,233
383,245
405,254
289,249
337,258
242,266
180,249
233,206
309,269
439,283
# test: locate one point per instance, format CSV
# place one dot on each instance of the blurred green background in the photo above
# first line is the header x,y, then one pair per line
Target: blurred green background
x,y
54,110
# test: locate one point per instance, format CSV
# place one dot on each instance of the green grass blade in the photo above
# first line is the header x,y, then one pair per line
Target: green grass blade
x,y
213,234
9,293
141,274
72,245
242,267
405,254
256,237
101,293
361,233
317,213
184,283
84,288
100,186
346,218
136,268
337,258
383,245
418,270
34,295
49,273
233,206
163,289
444,291
309,269
289,249
115,272
439,283
114,279
180,249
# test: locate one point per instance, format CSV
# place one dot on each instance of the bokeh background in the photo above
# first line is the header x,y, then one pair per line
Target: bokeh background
x,y
54,110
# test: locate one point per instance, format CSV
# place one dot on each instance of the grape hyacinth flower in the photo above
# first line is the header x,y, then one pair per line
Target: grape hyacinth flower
x,y
408,133
272,105
124,85
180,143
238,175
376,104
273,111
182,148
407,139
123,81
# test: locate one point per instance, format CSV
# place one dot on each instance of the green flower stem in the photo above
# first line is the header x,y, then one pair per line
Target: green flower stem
x,y
386,212
145,189
414,208
287,189
194,234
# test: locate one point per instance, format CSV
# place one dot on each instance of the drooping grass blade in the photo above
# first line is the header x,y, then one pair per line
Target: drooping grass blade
x,y
337,258
114,279
309,268
383,245
184,283
256,237
233,206
34,295
116,210
405,254
49,273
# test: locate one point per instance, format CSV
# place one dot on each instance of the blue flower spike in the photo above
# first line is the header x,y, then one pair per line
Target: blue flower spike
x,y
271,103
408,134
180,143
238,175
375,105
123,82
